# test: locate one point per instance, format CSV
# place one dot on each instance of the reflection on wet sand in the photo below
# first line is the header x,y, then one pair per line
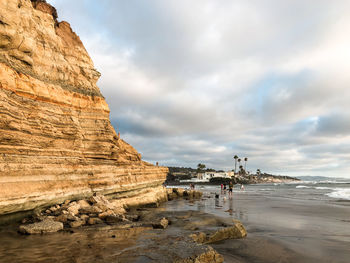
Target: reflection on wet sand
x,y
100,244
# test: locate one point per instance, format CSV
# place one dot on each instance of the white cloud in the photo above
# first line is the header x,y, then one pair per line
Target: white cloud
x,y
200,82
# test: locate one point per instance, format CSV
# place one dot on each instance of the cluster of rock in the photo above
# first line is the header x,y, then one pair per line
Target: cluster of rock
x,y
98,210
72,214
174,193
187,240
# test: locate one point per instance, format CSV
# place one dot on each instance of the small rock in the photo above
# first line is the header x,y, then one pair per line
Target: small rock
x,y
83,204
101,202
107,213
48,211
65,212
90,210
84,217
94,221
133,217
163,223
72,217
114,219
46,226
73,208
62,218
53,209
77,223
199,237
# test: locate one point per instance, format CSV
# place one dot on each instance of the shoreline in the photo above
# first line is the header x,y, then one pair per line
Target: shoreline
x,y
280,229
312,230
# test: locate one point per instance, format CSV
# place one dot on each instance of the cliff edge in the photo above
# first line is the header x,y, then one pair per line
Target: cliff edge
x,y
56,140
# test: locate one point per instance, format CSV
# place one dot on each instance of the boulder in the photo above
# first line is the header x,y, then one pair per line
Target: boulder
x,y
231,232
45,226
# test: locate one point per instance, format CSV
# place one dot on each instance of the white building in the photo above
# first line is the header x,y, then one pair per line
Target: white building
x,y
206,176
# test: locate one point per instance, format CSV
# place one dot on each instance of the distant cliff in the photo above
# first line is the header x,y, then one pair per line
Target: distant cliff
x,y
56,140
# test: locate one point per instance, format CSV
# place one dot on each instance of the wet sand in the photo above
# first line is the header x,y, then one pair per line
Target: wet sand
x,y
279,230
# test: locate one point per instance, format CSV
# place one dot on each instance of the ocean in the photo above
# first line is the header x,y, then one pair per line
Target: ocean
x,y
309,188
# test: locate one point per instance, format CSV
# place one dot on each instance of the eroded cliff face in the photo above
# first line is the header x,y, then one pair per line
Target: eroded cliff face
x,y
56,140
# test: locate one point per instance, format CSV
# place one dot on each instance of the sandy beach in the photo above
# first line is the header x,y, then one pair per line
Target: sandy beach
x,y
285,224
280,229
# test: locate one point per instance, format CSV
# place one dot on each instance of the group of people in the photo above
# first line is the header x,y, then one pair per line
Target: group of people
x,y
230,188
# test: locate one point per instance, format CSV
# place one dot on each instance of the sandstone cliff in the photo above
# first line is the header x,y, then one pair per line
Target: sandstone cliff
x,y
56,140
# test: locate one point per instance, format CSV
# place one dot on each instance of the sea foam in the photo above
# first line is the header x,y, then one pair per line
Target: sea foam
x,y
340,193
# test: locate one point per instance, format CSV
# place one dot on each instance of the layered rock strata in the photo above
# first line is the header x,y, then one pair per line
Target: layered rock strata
x,y
56,140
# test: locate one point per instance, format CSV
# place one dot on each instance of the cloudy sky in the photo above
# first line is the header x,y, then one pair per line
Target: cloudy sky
x,y
192,81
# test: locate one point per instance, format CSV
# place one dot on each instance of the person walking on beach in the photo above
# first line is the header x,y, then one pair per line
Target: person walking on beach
x,y
230,189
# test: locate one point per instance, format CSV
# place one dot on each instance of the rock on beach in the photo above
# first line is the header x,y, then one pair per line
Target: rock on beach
x,y
45,226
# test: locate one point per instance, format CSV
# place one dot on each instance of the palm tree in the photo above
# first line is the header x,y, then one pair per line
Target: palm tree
x,y
245,163
235,157
241,170
239,161
258,172
200,167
